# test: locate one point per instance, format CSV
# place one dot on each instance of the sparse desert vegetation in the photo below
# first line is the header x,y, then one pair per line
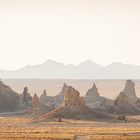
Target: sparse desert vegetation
x,y
22,128
69,116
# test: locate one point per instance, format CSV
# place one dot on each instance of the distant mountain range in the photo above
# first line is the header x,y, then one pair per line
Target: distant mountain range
x,y
85,70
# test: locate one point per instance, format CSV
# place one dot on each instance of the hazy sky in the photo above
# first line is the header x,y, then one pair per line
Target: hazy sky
x,y
69,31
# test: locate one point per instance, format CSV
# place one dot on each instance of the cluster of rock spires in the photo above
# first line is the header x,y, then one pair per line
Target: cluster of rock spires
x,y
69,104
53,101
127,102
74,107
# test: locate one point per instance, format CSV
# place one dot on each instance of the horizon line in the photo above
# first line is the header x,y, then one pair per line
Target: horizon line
x,y
86,60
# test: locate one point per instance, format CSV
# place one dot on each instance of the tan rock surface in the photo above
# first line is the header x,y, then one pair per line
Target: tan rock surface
x,y
129,90
72,97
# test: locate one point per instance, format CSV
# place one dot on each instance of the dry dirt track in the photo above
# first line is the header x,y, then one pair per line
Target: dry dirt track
x,y
130,136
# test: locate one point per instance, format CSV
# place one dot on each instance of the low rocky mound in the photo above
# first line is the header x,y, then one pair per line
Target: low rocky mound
x,y
75,112
93,98
105,103
9,99
73,107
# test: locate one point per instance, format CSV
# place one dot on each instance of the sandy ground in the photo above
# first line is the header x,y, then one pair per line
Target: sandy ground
x,y
13,127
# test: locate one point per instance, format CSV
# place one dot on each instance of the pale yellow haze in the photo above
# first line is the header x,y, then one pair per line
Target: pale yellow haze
x,y
69,31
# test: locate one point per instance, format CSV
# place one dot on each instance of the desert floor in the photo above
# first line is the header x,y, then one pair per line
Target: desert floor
x,y
24,128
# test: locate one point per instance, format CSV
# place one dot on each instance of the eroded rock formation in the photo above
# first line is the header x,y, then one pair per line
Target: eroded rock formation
x,y
129,90
64,88
35,102
121,100
138,101
54,101
37,107
72,97
43,97
105,103
122,106
73,107
93,91
93,98
9,99
25,99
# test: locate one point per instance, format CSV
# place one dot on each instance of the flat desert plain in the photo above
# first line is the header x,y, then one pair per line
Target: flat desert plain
x,y
16,127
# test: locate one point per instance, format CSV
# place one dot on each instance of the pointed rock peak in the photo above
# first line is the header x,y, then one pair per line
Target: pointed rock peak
x,y
94,87
35,95
64,84
122,94
25,90
129,84
63,89
35,98
129,90
35,101
93,91
43,97
44,93
72,97
121,100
